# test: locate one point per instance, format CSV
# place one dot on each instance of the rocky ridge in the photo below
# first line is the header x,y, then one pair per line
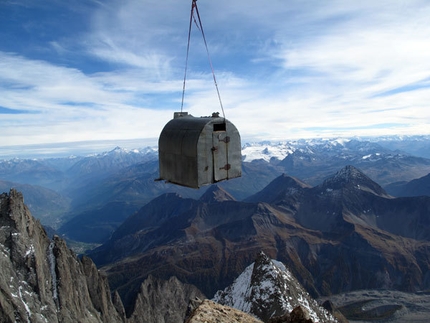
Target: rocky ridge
x,y
163,301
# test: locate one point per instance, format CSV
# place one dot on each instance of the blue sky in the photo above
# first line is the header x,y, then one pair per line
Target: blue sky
x,y
83,70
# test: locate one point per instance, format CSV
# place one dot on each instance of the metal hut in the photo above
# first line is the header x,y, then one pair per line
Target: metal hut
x,y
197,151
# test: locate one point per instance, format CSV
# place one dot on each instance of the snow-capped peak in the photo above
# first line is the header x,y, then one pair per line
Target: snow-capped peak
x,y
267,289
266,151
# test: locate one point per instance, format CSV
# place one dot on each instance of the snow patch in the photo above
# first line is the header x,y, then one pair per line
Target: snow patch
x,y
266,151
238,293
27,308
30,251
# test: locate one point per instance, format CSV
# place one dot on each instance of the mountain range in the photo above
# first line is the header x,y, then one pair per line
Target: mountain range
x,y
342,215
342,235
72,194
43,281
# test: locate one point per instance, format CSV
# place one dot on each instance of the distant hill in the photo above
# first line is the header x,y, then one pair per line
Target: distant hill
x,y
30,171
46,205
416,187
413,145
313,164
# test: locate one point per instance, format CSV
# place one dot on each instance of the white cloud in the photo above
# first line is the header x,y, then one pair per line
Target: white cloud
x,y
285,69
63,104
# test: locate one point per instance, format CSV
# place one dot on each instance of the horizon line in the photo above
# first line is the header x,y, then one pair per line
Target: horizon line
x,y
94,147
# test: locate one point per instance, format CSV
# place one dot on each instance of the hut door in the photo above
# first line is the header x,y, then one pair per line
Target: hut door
x,y
220,142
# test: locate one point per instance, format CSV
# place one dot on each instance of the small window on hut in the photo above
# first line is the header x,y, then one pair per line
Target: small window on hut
x,y
219,127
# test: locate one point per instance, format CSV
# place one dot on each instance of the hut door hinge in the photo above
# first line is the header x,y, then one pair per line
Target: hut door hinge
x,y
226,139
226,167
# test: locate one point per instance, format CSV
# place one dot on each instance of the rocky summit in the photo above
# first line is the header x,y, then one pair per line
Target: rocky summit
x,y
267,289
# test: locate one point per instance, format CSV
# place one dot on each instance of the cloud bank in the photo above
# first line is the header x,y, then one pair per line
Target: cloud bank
x,y
113,70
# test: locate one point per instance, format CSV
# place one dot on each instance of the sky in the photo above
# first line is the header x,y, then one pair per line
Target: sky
x,y
89,71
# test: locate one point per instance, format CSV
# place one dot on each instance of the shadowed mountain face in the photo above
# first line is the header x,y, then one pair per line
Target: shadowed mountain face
x,y
342,235
352,199
416,187
96,226
280,187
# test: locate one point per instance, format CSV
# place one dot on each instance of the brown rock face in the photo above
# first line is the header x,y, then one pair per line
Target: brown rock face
x,y
210,312
298,315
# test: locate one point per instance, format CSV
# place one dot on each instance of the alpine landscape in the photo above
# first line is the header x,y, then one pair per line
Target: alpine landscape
x,y
321,230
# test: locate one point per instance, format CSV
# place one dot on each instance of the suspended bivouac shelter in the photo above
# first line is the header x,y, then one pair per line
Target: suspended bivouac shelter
x,y
198,151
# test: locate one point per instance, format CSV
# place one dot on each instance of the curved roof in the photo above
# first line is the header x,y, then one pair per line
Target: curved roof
x,y
181,134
